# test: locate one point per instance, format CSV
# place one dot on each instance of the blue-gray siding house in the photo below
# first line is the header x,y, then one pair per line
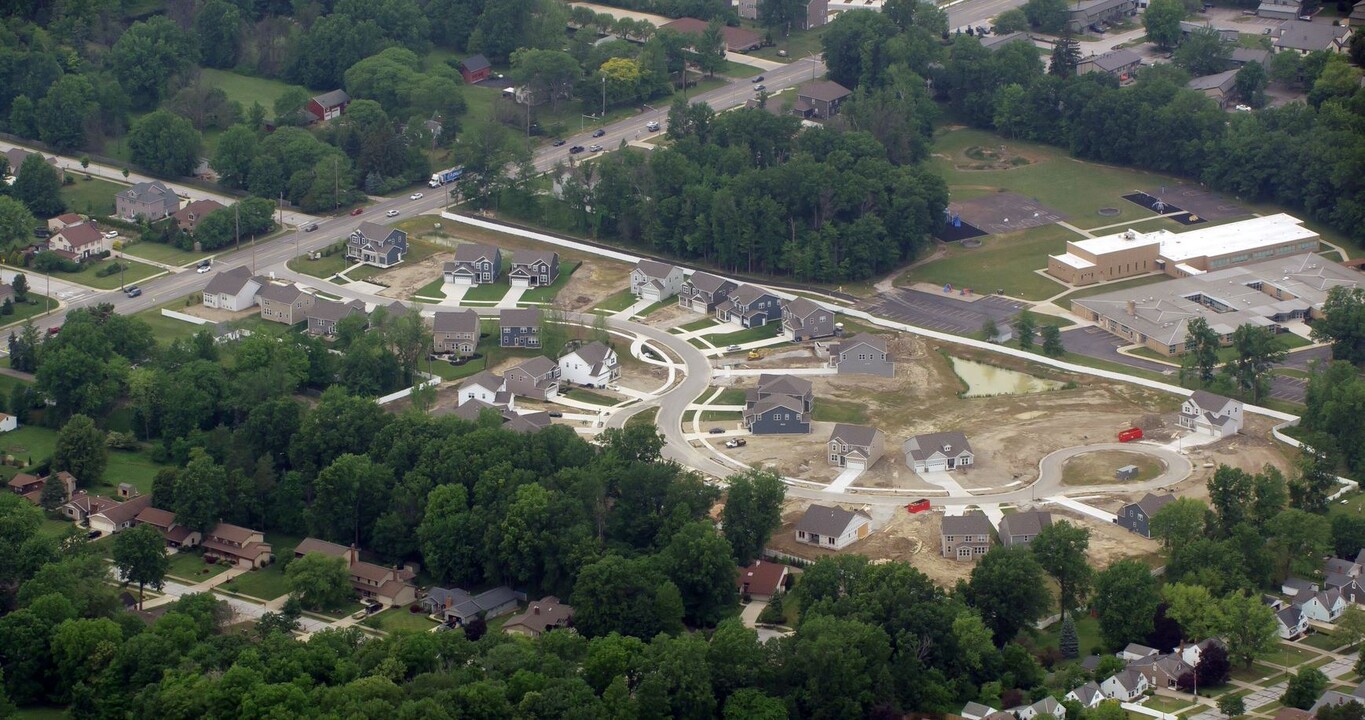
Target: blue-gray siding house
x,y
1137,517
377,245
520,327
750,306
781,404
862,354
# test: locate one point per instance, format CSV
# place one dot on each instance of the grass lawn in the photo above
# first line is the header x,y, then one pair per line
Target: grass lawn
x,y
739,70
616,302
1005,262
1101,288
37,304
446,371
487,292
589,396
1289,656
324,267
245,89
845,411
90,195
667,302
133,272
399,619
1075,188
1257,671
168,254
432,289
268,582
1321,641
762,332
134,468
190,567
721,416
644,417
1165,704
729,396
54,528
547,293
705,322
797,45
1087,635
29,444
1098,468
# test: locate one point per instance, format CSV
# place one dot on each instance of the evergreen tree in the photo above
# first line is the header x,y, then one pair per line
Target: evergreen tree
x,y
1070,643
1066,55
1024,327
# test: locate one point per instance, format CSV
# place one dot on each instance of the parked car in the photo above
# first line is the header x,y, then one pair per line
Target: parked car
x,y
133,291
575,149
42,232
599,132
93,534
111,234
54,330
1243,108
415,196
310,227
760,87
391,213
758,79
203,269
594,148
556,413
731,348
717,431
736,442
357,211
558,142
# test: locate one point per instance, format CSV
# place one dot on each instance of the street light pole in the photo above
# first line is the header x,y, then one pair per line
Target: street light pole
x,y
604,98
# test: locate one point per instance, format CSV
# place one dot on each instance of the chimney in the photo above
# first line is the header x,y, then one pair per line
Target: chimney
x,y
1132,308
352,555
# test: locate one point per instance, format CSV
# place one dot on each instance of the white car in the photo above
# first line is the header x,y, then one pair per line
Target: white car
x,y
652,126
415,196
111,234
203,269
1243,108
391,213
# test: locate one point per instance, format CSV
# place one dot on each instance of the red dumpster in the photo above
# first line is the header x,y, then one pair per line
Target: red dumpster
x,y
1130,434
918,506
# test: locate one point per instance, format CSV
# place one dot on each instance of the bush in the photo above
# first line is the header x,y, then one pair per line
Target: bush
x,y
120,441
49,262
108,270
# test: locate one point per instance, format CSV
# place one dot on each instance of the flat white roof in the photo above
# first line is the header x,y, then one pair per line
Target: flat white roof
x,y
1246,235
1182,267
1073,261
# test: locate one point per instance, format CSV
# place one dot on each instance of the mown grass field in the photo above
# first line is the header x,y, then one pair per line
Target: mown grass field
x,y
90,196
1003,262
245,89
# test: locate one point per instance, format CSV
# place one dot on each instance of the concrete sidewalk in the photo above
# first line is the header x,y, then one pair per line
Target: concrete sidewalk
x,y
845,479
1082,508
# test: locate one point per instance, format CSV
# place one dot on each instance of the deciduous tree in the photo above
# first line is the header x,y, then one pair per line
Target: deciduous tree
x,y
753,509
1007,588
1126,599
1179,522
80,450
1060,549
1304,688
1162,22
319,582
38,186
16,224
1248,627
140,555
166,143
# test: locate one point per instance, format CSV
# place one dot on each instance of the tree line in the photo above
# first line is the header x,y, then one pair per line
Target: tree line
x,y
1290,155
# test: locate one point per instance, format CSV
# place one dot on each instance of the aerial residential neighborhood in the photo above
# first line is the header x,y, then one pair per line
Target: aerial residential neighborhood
x,y
978,360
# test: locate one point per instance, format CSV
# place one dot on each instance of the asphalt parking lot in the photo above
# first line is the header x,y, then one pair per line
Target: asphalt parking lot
x,y
943,313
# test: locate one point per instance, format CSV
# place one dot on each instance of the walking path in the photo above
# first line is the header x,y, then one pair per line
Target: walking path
x,y
1082,508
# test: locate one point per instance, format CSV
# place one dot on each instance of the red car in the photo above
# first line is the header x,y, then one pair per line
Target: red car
x,y
357,211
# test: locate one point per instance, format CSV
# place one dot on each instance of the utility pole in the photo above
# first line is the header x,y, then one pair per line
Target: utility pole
x,y
336,187
237,219
604,98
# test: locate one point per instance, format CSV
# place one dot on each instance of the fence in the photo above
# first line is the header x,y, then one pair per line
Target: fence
x,y
183,317
430,380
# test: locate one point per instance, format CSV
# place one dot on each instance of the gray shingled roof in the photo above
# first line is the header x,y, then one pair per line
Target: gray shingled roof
x,y
1029,522
325,309
530,257
593,353
537,366
824,91
472,252
1209,402
519,317
229,281
332,98
455,321
854,435
825,520
1300,35
654,269
875,341
1151,503
801,308
279,293
974,523
484,379
706,282
746,294
923,446
784,384
1116,59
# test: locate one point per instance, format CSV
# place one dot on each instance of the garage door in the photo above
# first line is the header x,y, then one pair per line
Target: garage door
x,y
521,282
464,280
936,465
856,464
